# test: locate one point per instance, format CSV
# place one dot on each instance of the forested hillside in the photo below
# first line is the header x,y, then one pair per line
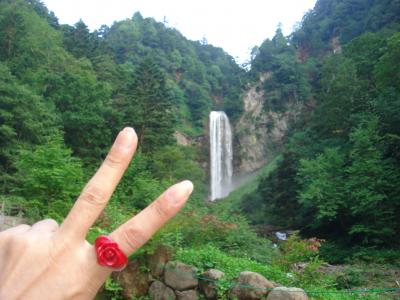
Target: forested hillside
x,y
67,91
339,174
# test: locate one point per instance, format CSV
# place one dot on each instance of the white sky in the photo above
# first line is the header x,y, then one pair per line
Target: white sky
x,y
234,25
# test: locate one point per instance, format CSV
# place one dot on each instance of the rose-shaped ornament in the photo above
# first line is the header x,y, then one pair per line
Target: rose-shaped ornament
x,y
109,254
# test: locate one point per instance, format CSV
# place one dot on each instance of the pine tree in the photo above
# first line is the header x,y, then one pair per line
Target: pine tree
x,y
149,109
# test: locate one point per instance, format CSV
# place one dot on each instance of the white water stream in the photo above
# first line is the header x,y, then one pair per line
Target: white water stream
x,y
221,155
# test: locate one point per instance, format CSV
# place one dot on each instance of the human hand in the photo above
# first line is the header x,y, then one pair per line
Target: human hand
x,y
47,261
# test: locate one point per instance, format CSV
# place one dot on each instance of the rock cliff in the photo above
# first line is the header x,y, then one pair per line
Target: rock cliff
x,y
260,132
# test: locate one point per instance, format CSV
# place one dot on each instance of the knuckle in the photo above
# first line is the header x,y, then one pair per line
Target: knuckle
x,y
94,195
114,160
134,238
161,209
52,222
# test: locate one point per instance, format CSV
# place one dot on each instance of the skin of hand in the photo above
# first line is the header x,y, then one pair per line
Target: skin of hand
x,y
47,261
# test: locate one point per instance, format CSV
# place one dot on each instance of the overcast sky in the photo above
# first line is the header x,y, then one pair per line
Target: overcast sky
x,y
234,25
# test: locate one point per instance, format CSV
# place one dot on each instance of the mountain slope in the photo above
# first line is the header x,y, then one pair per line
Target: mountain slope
x,y
339,167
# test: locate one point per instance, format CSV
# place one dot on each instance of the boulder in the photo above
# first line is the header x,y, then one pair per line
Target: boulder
x,y
285,293
180,276
134,282
251,285
208,286
159,291
158,260
187,295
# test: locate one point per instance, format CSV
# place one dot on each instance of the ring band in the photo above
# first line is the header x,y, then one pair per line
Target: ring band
x,y
109,254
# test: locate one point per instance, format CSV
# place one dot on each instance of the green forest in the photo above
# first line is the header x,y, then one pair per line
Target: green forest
x,y
66,91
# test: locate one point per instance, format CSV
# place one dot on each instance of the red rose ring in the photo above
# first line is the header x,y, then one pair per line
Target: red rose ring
x,y
109,254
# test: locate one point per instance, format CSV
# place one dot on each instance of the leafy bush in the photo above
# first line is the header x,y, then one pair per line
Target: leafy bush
x,y
349,278
48,178
296,249
190,229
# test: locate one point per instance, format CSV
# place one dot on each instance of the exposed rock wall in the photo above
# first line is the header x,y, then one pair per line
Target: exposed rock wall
x,y
182,139
260,133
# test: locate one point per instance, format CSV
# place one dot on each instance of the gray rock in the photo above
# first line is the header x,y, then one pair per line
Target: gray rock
x,y
180,276
208,286
285,293
158,260
187,295
169,294
134,282
159,291
251,285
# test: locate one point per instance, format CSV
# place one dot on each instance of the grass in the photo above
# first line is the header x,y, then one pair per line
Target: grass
x,y
231,204
207,257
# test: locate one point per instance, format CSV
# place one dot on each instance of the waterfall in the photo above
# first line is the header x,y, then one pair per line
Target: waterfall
x,y
221,155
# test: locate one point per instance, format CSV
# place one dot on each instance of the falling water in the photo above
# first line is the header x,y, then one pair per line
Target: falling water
x,y
220,155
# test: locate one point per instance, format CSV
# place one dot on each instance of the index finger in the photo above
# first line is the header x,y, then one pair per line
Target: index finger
x,y
100,187
134,233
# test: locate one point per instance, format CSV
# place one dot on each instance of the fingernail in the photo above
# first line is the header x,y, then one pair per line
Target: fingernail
x,y
125,137
180,191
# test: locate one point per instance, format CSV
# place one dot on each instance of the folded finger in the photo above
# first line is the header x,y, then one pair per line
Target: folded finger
x,y
22,228
137,231
99,189
48,225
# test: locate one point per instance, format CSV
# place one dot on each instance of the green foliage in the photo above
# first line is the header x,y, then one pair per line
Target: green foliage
x,y
139,187
234,236
48,178
300,257
344,20
371,182
338,175
265,205
88,85
150,107
284,77
385,70
176,163
208,257
350,278
295,249
317,284
234,203
323,185
113,289
206,75
66,91
78,40
343,94
25,118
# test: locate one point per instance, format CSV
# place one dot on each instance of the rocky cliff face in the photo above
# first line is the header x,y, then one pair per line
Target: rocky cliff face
x,y
260,132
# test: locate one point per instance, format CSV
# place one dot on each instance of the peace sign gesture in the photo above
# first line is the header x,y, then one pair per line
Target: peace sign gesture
x,y
47,261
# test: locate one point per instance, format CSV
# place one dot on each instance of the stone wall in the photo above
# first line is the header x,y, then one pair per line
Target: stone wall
x,y
172,280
